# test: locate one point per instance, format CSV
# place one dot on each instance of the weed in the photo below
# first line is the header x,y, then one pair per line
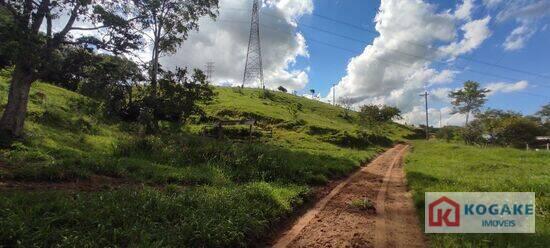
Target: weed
x,y
363,204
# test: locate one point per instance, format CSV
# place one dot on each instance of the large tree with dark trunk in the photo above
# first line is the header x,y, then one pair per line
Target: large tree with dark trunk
x,y
33,39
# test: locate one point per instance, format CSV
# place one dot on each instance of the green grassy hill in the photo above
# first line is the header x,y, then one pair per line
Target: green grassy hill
x,y
77,178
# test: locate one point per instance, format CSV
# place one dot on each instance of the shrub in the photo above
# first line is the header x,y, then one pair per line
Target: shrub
x,y
316,130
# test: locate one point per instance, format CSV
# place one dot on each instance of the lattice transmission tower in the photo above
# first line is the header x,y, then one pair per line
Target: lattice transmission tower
x,y
253,71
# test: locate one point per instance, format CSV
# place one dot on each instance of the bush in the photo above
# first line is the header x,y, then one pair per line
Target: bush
x,y
447,133
316,130
472,134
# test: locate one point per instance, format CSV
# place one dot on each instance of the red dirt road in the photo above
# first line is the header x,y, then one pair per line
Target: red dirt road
x,y
333,222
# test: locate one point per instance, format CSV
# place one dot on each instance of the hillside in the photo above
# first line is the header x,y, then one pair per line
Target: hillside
x,y
77,176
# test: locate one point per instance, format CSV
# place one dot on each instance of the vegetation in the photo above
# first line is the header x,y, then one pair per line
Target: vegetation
x,y
469,99
435,166
123,25
152,189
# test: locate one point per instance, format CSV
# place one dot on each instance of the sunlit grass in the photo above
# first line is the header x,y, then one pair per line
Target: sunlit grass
x,y
436,166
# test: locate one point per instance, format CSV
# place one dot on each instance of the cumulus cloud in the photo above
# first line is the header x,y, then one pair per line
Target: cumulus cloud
x,y
380,75
225,42
475,33
507,87
464,11
437,117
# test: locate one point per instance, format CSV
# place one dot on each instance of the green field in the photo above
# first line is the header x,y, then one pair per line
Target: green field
x,y
435,166
177,188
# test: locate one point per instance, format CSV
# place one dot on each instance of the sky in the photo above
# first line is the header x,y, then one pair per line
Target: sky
x,y
386,51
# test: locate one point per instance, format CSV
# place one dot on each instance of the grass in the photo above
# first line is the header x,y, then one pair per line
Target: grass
x,y
435,166
183,189
362,204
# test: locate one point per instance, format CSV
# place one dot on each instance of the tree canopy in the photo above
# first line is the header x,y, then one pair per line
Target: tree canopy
x,y
469,99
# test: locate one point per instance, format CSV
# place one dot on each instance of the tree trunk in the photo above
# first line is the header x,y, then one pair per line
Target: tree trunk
x,y
467,116
13,118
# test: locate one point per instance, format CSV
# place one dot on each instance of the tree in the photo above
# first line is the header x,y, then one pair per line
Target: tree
x,y
373,114
469,99
33,48
179,96
508,128
388,113
544,113
166,23
346,103
282,89
368,115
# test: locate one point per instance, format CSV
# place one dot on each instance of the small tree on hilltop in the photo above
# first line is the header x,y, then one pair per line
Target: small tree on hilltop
x,y
346,103
469,99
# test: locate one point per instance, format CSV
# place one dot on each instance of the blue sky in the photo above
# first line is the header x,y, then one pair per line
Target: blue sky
x,y
386,51
328,64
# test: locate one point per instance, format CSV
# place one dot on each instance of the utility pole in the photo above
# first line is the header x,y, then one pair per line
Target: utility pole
x,y
209,70
425,95
440,123
334,94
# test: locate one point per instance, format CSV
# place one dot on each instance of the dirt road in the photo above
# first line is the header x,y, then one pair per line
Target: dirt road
x,y
334,222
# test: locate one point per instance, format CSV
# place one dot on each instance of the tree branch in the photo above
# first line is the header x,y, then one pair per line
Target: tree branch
x,y
42,11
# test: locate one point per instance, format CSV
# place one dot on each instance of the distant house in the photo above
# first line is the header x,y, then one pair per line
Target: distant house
x,y
542,142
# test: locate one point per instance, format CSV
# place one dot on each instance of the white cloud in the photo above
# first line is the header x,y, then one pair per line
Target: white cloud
x,y
519,36
225,42
464,11
524,10
528,15
441,95
436,117
492,3
445,76
475,33
380,75
383,76
507,87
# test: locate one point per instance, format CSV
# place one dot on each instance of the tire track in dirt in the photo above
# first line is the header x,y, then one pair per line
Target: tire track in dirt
x,y
333,222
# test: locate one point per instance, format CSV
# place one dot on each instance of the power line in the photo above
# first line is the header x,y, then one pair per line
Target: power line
x,y
463,57
385,60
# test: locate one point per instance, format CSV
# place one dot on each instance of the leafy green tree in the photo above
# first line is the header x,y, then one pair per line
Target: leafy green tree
x,y
166,23
373,115
178,97
544,113
469,99
388,113
33,49
491,121
518,131
368,115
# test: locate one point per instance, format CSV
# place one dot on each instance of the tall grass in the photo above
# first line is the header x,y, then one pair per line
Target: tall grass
x,y
449,167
